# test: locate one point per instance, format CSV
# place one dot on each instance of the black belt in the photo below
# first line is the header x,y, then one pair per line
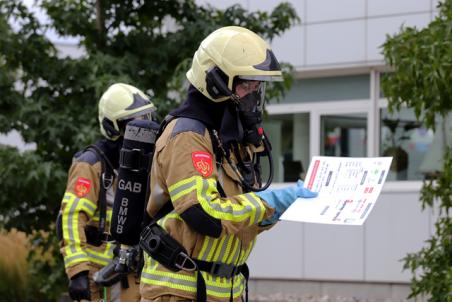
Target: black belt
x,y
218,269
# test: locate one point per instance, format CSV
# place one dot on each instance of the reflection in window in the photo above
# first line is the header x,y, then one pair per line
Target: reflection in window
x,y
289,137
344,135
406,140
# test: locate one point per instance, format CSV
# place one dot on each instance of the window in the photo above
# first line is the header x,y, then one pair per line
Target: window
x,y
325,89
344,135
289,137
406,140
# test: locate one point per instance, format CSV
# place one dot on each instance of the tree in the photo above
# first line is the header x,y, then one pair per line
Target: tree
x,y
52,100
422,79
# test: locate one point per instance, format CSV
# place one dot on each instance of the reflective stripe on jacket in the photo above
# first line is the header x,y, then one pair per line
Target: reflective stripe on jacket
x,y
174,178
79,208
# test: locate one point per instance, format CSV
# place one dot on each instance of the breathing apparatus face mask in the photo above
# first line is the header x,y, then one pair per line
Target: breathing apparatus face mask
x,y
250,108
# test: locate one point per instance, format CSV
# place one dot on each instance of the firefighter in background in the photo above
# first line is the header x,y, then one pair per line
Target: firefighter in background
x,y
85,212
203,166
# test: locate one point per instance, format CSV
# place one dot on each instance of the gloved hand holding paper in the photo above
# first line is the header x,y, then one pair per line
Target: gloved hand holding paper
x,y
348,189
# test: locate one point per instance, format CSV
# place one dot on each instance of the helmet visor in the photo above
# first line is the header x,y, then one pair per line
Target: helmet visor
x,y
263,78
145,114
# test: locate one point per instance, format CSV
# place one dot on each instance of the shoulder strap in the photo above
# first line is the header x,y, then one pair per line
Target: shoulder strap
x,y
163,125
218,157
106,181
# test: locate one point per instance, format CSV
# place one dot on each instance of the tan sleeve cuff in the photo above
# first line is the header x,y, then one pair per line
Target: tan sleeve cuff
x,y
264,228
77,268
269,211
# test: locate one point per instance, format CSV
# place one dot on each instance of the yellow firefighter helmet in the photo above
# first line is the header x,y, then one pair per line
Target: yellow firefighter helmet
x,y
231,53
120,103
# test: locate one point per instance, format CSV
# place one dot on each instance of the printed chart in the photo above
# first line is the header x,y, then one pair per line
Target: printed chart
x,y
348,190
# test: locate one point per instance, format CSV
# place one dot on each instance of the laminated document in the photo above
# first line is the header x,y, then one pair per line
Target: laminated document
x,y
348,189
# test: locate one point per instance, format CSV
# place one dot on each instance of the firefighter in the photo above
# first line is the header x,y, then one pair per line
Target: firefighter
x,y
85,212
204,167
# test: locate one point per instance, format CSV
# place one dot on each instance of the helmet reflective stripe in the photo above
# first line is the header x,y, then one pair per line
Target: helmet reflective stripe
x,y
121,102
237,52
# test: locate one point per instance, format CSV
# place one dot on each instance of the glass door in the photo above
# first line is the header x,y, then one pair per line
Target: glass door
x,y
343,135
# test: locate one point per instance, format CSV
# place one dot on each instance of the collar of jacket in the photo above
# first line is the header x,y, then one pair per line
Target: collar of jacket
x,y
111,149
221,116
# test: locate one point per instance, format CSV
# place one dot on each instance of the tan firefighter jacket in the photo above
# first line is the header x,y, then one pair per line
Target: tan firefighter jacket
x,y
79,208
184,173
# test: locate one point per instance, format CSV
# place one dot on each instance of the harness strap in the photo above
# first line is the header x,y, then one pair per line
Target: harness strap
x,y
218,269
106,180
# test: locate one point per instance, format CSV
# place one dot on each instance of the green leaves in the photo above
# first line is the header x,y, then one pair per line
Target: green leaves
x,y
432,265
422,60
52,100
422,79
27,183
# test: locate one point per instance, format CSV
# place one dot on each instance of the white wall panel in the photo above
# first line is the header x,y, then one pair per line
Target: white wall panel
x,y
395,227
333,252
388,7
325,10
338,42
379,27
434,14
289,47
278,252
223,4
269,5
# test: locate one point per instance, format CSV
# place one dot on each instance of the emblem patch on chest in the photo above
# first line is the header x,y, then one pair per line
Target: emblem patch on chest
x,y
82,187
203,163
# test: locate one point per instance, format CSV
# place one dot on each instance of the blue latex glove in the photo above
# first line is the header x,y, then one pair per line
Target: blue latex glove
x,y
281,199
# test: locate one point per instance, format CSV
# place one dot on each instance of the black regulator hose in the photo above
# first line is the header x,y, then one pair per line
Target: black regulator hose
x,y
268,151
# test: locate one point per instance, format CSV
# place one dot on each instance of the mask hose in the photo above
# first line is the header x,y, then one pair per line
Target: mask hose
x,y
267,151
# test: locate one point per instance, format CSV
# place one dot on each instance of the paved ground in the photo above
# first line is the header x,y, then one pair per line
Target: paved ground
x,y
292,298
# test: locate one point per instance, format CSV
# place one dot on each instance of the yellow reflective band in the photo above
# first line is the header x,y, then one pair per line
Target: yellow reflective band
x,y
221,248
173,215
249,206
100,257
234,253
74,259
212,249
86,205
247,252
188,283
206,247
227,251
208,197
70,221
109,214
182,188
257,203
162,221
74,252
217,287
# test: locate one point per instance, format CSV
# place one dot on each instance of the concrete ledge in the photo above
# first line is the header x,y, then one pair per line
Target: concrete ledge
x,y
308,290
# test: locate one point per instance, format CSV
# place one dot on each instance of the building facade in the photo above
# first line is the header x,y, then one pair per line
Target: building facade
x,y
336,108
